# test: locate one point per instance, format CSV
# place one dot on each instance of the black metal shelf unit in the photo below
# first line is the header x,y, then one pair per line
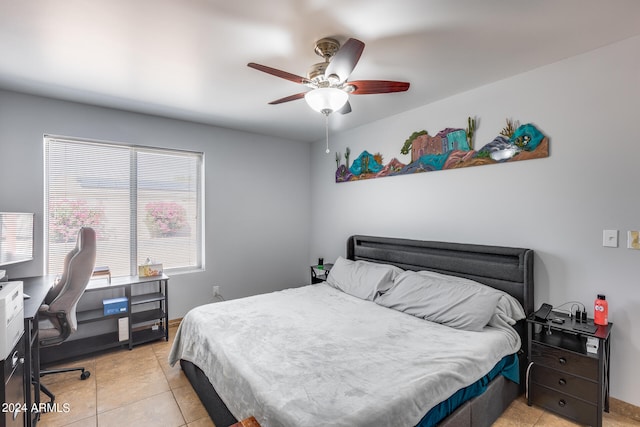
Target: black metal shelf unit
x,y
147,317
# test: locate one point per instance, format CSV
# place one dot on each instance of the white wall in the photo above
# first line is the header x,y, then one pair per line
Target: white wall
x,y
256,200
588,106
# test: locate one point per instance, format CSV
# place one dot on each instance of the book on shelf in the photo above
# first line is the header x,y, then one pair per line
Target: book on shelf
x,y
101,272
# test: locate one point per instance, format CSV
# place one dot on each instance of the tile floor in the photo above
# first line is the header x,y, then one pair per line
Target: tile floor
x,y
126,388
519,414
139,388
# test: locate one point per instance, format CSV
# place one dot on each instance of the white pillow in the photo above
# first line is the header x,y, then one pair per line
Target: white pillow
x,y
453,301
362,279
508,311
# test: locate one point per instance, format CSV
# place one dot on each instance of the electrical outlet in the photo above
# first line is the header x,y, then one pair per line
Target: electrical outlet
x,y
633,239
217,297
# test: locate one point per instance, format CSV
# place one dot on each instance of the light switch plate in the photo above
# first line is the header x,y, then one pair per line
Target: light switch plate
x,y
610,238
633,239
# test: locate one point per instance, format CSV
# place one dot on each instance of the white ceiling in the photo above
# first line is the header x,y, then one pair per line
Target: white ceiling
x,y
187,59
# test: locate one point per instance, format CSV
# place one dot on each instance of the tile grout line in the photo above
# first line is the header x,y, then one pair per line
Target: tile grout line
x,y
171,389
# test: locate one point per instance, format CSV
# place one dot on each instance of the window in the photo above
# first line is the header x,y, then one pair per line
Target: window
x,y
142,202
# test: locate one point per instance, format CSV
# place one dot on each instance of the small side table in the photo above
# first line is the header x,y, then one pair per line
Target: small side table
x,y
316,273
566,377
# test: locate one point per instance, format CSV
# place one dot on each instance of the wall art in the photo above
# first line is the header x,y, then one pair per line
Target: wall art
x,y
448,149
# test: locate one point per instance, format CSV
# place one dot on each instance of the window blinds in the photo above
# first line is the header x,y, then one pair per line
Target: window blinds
x,y
144,203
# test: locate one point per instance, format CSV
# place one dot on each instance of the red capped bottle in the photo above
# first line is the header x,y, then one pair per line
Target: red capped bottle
x,y
601,311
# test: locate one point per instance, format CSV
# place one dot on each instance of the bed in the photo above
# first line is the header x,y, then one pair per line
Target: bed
x,y
315,389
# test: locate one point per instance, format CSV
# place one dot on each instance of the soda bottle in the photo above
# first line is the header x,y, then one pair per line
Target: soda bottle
x,y
601,311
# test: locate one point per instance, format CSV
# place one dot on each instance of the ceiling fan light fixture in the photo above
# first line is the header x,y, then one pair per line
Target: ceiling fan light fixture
x,y
333,79
348,88
326,100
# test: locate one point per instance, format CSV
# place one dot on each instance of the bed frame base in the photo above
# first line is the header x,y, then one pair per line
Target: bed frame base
x,y
484,410
216,408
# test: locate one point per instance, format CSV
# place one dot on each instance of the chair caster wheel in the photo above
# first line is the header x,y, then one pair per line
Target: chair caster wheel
x,y
85,375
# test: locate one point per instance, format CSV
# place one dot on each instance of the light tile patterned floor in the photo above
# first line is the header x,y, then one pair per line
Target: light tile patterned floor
x,y
126,388
139,388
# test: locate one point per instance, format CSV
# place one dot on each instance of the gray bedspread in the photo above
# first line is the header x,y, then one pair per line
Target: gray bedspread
x,y
315,356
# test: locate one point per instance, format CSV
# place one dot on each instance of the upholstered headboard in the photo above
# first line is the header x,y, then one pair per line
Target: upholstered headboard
x,y
504,268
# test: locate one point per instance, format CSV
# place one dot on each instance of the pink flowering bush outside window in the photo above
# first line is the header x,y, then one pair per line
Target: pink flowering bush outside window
x,y
66,216
165,219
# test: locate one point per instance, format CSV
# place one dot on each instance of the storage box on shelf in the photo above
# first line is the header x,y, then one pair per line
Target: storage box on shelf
x,y
115,306
569,368
146,317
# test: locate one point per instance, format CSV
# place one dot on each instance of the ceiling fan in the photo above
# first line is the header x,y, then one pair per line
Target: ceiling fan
x,y
330,89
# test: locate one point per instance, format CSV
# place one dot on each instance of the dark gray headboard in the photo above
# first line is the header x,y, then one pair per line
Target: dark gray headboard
x,y
504,268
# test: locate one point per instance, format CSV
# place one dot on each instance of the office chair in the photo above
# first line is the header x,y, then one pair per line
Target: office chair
x,y
57,316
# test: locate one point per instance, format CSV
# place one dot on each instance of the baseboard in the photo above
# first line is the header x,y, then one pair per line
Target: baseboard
x,y
174,323
623,408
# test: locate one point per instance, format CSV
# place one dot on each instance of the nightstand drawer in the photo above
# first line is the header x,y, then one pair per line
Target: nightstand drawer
x,y
565,361
565,405
562,382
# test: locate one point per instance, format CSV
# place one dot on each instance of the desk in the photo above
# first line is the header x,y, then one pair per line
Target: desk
x,y
145,319
36,288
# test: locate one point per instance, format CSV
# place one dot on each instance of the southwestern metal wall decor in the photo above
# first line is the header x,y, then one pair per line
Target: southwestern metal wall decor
x,y
449,149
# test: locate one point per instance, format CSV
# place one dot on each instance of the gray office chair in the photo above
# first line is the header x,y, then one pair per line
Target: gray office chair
x,y
57,316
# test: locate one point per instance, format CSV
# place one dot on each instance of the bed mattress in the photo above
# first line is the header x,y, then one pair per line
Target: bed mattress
x,y
317,356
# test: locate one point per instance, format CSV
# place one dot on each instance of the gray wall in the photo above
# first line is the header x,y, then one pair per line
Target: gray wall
x,y
588,106
257,217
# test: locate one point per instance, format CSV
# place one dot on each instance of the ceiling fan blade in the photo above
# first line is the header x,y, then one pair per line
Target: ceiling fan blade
x,y
365,87
279,73
288,98
345,60
346,109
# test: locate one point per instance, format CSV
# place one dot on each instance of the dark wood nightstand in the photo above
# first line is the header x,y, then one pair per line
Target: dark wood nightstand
x,y
316,276
564,376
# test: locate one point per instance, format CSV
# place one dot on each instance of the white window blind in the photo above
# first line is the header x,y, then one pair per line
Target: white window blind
x,y
142,202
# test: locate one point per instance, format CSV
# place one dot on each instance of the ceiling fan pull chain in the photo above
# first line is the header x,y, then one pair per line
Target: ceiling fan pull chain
x,y
326,125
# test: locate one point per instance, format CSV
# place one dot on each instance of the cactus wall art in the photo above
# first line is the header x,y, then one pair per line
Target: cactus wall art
x,y
450,148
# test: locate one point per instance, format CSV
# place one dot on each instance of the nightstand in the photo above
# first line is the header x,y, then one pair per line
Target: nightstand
x,y
317,275
567,374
